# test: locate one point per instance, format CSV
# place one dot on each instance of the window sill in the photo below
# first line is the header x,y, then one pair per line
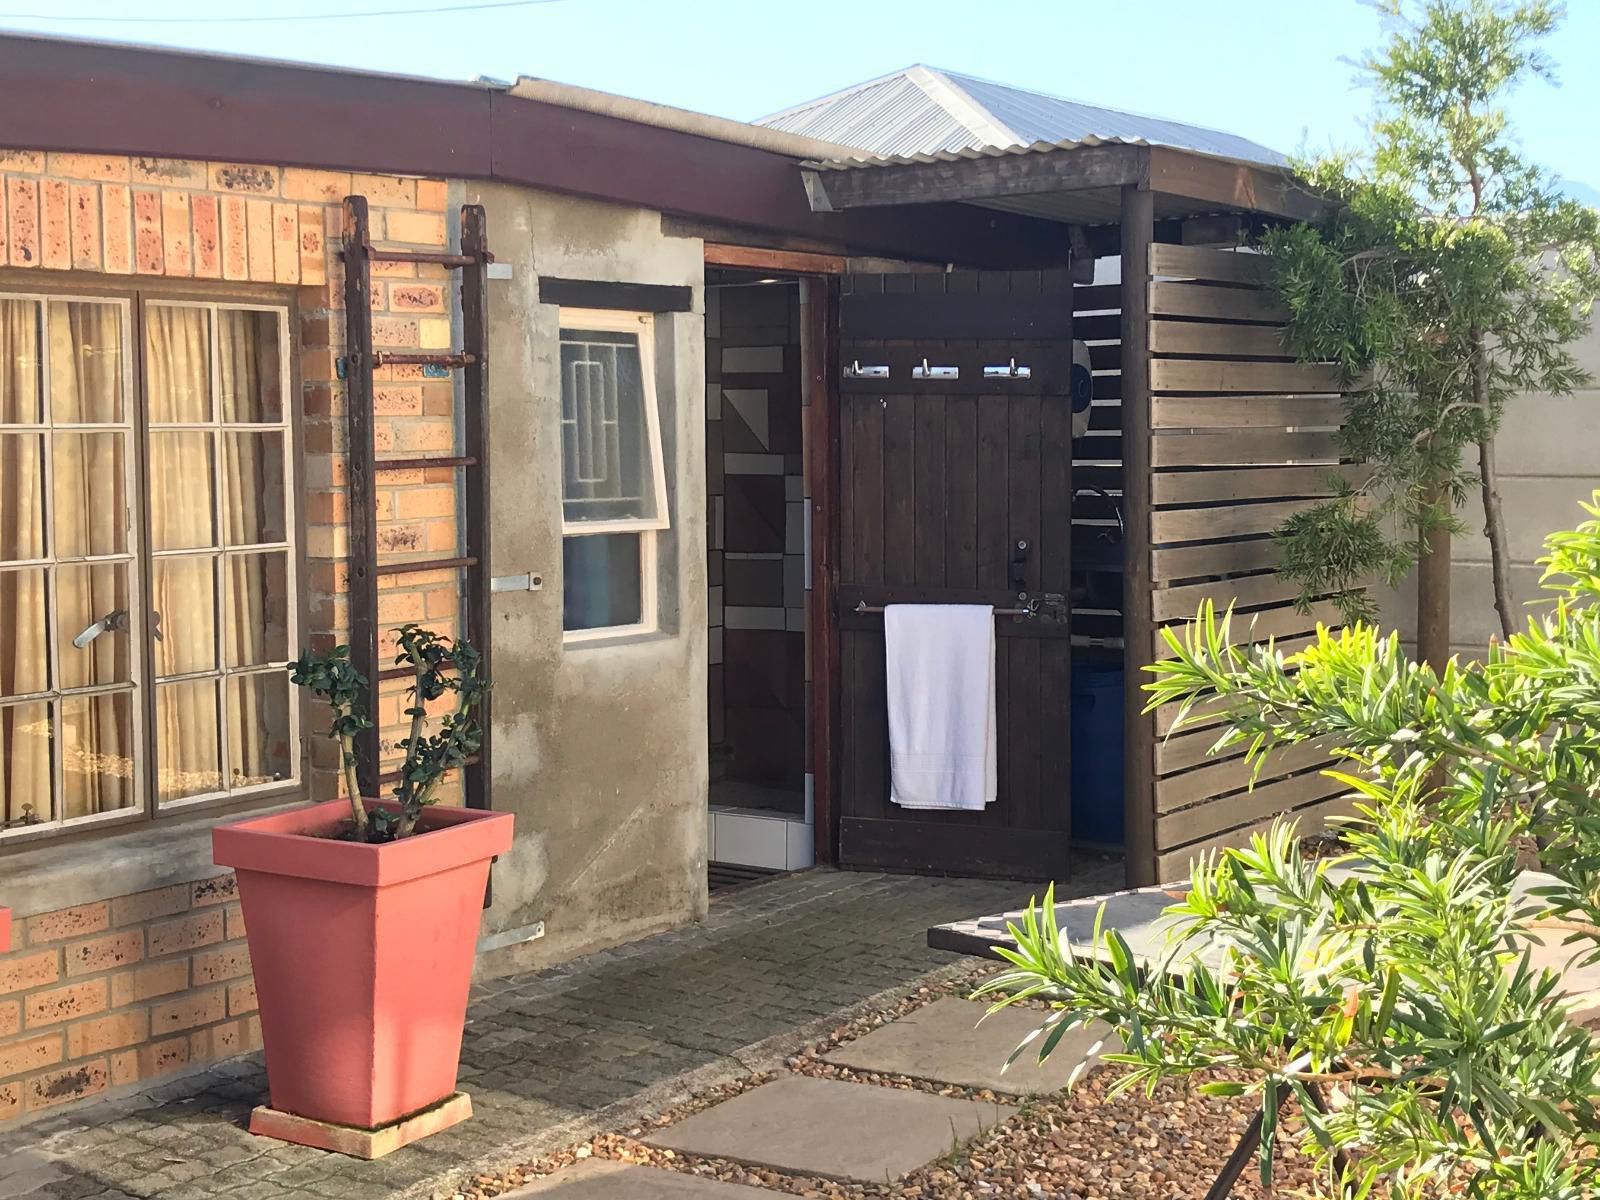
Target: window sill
x,y
623,637
41,877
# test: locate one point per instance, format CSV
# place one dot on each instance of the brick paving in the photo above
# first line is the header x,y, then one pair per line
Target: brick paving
x,y
547,1055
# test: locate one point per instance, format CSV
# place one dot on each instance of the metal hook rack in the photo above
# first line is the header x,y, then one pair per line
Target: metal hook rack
x,y
1052,606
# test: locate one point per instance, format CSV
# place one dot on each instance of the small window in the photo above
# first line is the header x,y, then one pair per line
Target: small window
x,y
614,488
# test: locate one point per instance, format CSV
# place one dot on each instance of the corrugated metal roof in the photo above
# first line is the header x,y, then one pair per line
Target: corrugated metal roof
x,y
926,111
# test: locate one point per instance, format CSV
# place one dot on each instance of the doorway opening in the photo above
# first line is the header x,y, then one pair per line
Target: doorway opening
x,y
760,803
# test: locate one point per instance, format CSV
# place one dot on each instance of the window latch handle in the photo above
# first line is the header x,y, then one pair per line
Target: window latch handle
x,y
116,620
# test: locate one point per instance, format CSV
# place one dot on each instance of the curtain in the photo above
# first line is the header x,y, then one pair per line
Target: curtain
x,y
25,784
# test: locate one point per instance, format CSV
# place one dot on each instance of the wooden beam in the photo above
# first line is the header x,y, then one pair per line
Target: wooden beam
x,y
987,177
1139,753
1270,190
786,261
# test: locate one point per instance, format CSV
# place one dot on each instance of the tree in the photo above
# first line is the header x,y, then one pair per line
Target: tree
x,y
1449,276
1391,991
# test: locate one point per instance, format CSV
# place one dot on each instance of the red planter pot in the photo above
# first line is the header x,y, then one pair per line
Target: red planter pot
x,y
362,955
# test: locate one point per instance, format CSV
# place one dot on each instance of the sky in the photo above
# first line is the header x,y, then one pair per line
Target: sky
x,y
1279,71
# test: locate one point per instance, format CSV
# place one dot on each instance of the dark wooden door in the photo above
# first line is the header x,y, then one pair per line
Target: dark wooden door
x,y
955,487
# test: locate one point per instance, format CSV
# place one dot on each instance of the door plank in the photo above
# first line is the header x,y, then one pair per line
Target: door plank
x,y
930,535
900,490
961,492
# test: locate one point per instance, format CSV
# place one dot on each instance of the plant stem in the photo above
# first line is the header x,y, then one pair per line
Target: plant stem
x,y
1494,517
358,811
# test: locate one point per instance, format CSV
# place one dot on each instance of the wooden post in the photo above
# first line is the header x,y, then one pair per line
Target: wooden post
x,y
476,444
819,363
1138,624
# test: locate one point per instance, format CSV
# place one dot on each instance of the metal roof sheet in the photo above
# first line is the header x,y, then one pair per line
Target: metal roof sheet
x,y
925,111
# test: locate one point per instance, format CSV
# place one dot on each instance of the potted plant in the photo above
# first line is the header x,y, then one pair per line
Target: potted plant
x,y
362,917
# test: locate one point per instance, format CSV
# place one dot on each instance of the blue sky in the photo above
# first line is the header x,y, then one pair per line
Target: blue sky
x,y
1278,71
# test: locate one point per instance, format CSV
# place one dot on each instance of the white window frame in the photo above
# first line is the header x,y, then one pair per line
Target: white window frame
x,y
646,528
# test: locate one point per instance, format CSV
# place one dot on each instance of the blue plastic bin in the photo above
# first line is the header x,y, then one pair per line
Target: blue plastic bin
x,y
1097,754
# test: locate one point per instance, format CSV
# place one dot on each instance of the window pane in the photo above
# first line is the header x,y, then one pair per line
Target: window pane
x,y
253,488
255,617
607,468
21,495
188,754
19,363
86,594
86,363
91,512
259,746
182,510
249,366
185,616
25,772
600,580
24,655
177,364
97,754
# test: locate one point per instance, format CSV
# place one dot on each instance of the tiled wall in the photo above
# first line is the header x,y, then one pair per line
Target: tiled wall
x,y
757,494
136,986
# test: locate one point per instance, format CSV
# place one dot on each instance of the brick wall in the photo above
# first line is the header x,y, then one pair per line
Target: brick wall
x,y
137,986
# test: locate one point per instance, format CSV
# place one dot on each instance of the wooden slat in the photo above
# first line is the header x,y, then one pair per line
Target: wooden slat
x,y
1252,809
1184,750
1313,819
1251,447
1282,625
1211,375
1216,487
1169,525
1215,303
1192,562
1245,412
1203,337
1182,603
1217,266
1215,779
1202,715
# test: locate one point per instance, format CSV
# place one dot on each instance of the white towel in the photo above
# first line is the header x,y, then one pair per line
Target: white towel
x,y
941,705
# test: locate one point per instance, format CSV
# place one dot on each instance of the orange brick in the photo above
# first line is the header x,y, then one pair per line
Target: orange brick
x,y
443,535
84,225
146,906
417,297
285,243
107,1033
98,167
161,1058
242,998
258,225
207,237
226,962
426,502
220,1041
124,1068
169,172
244,178
432,193
397,400
393,270
10,1100
399,607
428,433
105,953
17,1058
439,398
395,331
320,187
177,240
313,248
402,539
116,213
434,333
22,221
66,1003
219,889
148,256
187,1011
19,971
68,923
22,160
442,604
235,918
146,983
10,1017
235,253
185,933
65,1086
252,1033
55,241
415,228
385,191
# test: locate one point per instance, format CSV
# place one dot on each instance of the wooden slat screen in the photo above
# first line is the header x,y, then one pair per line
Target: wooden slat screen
x,y
1242,437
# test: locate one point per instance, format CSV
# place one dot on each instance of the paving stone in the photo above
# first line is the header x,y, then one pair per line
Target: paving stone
x,y
596,1179
944,1041
852,1131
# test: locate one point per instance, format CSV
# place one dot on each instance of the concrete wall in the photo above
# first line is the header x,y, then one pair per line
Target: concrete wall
x,y
1549,460
600,747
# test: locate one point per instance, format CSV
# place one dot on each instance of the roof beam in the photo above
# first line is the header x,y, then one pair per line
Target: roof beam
x,y
1231,184
988,177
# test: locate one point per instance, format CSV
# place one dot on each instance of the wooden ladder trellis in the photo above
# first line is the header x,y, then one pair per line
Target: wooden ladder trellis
x,y
472,261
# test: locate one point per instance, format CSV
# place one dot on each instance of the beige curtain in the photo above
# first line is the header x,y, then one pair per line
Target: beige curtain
x,y
182,517
25,785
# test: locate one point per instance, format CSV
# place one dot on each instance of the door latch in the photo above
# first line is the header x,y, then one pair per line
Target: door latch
x,y
1019,566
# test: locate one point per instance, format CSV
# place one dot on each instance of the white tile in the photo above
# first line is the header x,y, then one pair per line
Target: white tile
x,y
801,848
751,841
752,360
752,464
738,616
751,404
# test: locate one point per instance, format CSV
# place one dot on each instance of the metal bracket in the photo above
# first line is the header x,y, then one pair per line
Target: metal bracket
x,y
528,582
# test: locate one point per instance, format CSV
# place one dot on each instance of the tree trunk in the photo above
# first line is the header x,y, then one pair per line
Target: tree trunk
x,y
1494,525
1433,590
